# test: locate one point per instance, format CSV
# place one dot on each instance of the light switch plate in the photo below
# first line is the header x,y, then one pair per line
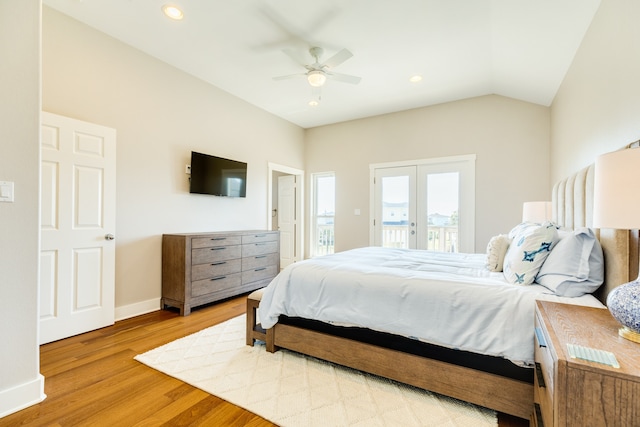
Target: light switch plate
x,y
6,191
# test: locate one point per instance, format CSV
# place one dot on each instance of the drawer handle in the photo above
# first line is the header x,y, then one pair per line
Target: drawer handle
x,y
219,238
539,375
260,269
221,248
260,244
541,341
260,256
219,263
260,235
219,278
538,414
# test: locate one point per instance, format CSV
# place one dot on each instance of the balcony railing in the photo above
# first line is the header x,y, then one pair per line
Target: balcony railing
x,y
324,240
439,238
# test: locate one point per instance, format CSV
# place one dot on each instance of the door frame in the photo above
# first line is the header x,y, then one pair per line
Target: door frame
x,y
299,233
469,201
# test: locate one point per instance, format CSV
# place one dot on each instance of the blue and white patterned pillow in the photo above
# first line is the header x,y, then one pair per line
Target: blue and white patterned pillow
x,y
529,248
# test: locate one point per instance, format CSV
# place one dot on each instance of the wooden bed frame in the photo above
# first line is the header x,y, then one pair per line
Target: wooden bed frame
x,y
573,206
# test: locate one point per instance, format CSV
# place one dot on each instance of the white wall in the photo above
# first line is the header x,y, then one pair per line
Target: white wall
x,y
20,381
160,115
509,137
597,108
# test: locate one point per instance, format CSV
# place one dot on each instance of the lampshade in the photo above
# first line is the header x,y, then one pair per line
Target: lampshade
x,y
616,205
538,212
316,78
615,200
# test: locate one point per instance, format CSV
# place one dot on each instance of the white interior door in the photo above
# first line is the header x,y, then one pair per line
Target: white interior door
x,y
77,259
287,218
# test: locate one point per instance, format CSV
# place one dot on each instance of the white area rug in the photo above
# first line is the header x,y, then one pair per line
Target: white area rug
x,y
290,389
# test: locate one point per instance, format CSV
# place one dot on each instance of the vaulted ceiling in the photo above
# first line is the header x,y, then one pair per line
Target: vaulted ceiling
x,y
461,48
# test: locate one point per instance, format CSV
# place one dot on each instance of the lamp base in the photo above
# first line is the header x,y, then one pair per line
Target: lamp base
x,y
627,333
623,303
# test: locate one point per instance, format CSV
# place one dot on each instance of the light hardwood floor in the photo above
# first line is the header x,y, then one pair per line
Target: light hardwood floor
x,y
92,379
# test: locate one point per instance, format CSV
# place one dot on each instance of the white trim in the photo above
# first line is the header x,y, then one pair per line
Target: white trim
x,y
22,396
299,173
136,309
438,160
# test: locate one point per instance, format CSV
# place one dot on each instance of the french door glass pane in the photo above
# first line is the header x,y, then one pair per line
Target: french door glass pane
x,y
395,212
442,211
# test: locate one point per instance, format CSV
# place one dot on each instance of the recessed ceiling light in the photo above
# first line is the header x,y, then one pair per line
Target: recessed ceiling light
x,y
313,103
172,11
415,79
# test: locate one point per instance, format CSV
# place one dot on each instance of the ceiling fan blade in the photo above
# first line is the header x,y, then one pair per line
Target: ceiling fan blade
x,y
289,76
292,32
338,58
321,21
346,78
295,56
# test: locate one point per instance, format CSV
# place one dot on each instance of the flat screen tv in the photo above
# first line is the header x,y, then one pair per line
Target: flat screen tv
x,y
217,176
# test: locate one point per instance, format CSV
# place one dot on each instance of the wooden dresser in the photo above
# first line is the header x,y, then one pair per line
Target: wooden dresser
x,y
199,268
575,392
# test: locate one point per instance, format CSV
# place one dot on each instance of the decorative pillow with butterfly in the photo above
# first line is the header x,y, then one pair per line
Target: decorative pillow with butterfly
x,y
528,250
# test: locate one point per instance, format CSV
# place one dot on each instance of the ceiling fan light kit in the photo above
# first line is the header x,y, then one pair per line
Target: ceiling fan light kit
x,y
316,78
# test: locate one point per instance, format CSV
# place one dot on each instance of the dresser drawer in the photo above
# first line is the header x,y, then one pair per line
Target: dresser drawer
x,y
215,269
545,366
214,254
259,237
260,273
207,242
259,248
207,286
257,261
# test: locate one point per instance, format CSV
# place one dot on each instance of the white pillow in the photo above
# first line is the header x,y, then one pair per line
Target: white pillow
x,y
528,250
575,266
496,250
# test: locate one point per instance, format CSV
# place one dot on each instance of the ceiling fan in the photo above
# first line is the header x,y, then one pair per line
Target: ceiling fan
x,y
318,72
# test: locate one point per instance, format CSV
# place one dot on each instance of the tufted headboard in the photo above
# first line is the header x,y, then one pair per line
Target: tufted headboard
x,y
572,201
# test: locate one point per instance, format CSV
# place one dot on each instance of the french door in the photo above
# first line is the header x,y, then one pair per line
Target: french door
x,y
427,204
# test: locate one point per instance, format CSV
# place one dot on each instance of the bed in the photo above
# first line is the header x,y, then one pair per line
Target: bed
x,y
468,364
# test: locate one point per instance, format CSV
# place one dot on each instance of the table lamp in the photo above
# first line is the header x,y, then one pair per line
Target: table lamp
x,y
617,205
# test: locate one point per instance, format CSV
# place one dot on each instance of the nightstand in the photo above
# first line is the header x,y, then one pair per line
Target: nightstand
x,y
575,392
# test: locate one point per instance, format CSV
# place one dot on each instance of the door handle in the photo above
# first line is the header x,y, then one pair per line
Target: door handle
x,y
109,236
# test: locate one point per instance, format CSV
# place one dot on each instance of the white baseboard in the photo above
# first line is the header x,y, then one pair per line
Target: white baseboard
x,y
132,310
22,396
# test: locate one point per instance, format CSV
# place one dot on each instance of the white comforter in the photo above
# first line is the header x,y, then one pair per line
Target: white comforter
x,y
447,299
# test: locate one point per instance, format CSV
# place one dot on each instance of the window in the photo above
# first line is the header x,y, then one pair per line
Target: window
x,y
323,213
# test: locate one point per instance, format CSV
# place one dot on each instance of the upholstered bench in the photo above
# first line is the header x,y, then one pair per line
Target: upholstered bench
x,y
254,329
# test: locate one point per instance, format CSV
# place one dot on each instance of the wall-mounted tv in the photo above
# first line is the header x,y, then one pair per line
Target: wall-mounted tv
x,y
217,176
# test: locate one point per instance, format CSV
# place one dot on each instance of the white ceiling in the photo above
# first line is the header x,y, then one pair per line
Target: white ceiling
x,y
463,48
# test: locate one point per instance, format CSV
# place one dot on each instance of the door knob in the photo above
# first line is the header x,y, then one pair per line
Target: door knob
x,y
109,236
